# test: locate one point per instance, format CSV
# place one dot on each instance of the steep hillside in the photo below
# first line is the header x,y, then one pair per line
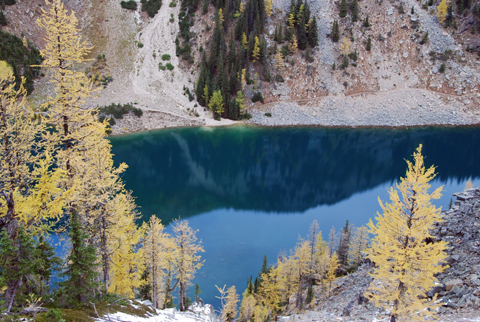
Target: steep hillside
x,y
399,81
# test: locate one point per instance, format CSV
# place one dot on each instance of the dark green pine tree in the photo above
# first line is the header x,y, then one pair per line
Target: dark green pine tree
x,y
280,35
81,266
355,11
16,262
313,33
343,9
3,19
335,33
250,286
369,43
302,34
275,34
47,262
265,269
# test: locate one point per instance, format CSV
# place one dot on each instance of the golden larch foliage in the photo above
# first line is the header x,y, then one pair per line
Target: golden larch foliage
x,y
269,292
256,49
405,262
247,307
294,45
358,244
268,7
279,62
330,275
244,41
189,261
216,102
468,184
345,46
442,11
229,300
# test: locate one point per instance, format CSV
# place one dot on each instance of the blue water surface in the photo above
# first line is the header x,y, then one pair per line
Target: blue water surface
x,y
252,191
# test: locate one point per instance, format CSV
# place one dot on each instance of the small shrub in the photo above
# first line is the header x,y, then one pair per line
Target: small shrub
x,y
161,66
170,66
442,68
424,39
257,97
268,114
151,7
279,78
131,5
369,44
54,315
140,45
165,57
172,4
117,111
246,116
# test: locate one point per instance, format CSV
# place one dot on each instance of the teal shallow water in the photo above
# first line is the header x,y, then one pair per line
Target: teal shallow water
x,y
252,191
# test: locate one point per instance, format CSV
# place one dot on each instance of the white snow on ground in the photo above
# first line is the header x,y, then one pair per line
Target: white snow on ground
x,y
196,313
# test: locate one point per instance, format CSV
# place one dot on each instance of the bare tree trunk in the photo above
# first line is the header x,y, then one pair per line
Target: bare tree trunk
x,y
104,250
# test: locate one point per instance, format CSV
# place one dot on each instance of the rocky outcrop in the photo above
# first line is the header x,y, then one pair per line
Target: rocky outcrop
x,y
460,283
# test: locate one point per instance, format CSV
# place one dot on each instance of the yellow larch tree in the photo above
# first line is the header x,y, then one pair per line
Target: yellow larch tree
x,y
405,263
189,261
220,16
442,10
153,250
294,45
302,268
345,46
247,307
124,238
244,41
268,7
240,101
29,191
269,292
287,278
229,300
279,62
291,21
216,103
322,258
256,49
330,275
358,244
66,111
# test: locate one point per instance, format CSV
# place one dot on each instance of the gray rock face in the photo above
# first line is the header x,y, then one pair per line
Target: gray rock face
x,y
460,229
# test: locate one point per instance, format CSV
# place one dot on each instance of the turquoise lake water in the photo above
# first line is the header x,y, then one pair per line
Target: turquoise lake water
x,y
252,191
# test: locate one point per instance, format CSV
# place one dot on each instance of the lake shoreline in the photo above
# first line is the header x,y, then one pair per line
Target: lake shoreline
x,y
403,108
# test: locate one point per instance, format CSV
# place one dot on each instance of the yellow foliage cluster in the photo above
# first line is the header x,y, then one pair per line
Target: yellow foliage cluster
x,y
170,257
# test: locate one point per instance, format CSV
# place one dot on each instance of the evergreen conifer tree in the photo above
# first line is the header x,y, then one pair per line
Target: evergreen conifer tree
x,y
81,266
47,263
313,33
302,34
3,19
369,43
343,8
355,11
335,33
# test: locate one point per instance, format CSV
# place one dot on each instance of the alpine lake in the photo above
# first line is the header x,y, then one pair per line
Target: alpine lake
x,y
251,191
